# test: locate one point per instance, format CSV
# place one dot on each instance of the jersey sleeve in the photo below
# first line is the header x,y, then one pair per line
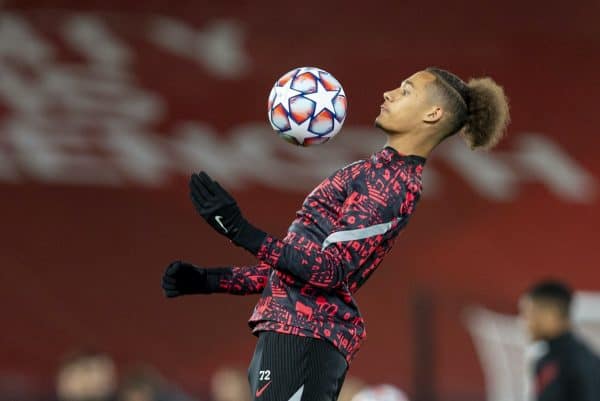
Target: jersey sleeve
x,y
367,218
241,280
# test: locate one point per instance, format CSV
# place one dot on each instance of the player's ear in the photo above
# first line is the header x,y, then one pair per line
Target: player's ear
x,y
433,115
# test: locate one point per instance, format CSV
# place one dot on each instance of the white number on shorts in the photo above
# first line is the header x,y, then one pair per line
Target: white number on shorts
x,y
264,375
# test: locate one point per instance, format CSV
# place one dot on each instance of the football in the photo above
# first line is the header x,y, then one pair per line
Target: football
x,y
307,106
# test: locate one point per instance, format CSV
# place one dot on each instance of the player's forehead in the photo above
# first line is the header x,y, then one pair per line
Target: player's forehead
x,y
538,305
419,79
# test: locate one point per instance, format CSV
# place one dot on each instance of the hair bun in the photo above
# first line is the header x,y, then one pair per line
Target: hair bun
x,y
488,113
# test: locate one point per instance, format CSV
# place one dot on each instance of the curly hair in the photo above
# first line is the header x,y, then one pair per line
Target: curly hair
x,y
477,109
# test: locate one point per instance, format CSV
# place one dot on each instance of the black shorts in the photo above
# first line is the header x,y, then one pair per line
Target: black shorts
x,y
292,368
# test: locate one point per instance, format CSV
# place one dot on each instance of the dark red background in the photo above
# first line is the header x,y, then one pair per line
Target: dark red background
x,y
83,264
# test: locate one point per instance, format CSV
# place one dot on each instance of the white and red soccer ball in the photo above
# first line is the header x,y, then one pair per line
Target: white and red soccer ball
x,y
307,106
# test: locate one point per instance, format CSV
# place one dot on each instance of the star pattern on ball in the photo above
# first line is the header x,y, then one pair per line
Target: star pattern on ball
x,y
284,93
307,106
323,98
305,126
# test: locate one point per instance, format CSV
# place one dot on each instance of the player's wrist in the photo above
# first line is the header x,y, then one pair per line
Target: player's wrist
x,y
249,237
203,280
214,277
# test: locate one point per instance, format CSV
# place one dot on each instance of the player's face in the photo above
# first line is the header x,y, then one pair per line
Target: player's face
x,y
91,379
541,319
530,317
405,108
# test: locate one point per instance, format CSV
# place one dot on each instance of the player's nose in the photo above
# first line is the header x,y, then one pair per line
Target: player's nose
x,y
387,96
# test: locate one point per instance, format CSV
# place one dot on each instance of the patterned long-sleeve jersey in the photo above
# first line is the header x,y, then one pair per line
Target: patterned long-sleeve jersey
x,y
345,227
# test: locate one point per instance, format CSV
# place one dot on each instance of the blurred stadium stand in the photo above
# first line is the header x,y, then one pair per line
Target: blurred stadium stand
x,y
106,107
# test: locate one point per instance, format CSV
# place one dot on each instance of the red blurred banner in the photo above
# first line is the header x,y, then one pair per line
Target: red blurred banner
x,y
107,107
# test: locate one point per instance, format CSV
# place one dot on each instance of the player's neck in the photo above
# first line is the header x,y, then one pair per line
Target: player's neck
x,y
418,145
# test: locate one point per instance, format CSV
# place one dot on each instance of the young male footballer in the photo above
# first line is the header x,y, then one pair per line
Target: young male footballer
x,y
307,322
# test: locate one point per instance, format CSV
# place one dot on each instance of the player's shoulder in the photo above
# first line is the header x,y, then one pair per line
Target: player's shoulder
x,y
390,159
383,166
353,170
354,165
576,354
361,167
580,348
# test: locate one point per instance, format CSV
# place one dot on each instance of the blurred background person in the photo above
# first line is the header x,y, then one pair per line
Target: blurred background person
x,y
106,107
568,370
141,385
86,375
145,383
381,392
229,384
352,386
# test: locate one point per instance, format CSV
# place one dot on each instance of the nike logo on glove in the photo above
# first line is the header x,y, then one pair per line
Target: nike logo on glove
x,y
218,219
262,390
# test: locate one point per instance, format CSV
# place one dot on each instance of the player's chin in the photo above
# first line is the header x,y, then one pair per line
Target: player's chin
x,y
379,123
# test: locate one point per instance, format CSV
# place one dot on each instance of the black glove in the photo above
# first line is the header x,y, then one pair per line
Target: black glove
x,y
182,278
222,213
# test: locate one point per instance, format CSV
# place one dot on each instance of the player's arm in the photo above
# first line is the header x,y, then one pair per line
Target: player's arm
x,y
356,235
181,278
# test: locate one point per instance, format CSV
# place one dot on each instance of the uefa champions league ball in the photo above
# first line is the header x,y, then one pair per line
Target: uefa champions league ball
x,y
307,106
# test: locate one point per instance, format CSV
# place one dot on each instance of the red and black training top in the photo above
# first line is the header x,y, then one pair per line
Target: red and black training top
x,y
345,227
